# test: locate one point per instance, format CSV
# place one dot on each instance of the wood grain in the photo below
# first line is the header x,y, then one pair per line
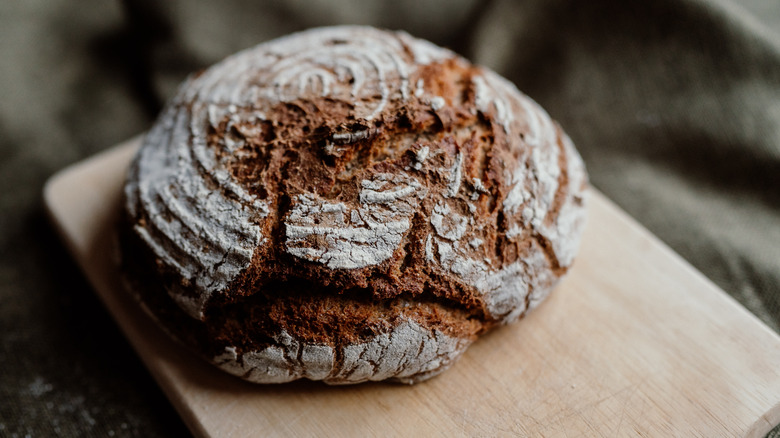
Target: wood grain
x,y
633,342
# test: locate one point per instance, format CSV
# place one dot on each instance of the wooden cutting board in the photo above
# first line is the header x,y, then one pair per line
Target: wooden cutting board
x,y
633,342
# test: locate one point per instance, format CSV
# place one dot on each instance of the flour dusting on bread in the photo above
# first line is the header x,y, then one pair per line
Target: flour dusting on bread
x,y
348,204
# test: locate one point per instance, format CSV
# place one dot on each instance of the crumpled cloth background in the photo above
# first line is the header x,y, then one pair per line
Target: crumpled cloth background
x,y
674,104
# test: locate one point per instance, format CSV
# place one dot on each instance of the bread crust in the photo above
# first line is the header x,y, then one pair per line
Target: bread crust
x,y
348,204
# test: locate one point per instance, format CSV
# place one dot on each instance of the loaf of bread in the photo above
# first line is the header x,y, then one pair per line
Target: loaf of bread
x,y
347,204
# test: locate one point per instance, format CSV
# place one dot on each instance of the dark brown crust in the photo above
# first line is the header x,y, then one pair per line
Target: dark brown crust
x,y
307,311
317,146
292,163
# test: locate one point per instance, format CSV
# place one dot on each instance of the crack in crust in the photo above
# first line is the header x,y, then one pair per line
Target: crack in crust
x,y
351,159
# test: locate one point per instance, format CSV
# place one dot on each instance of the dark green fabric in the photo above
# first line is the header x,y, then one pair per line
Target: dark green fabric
x,y
674,104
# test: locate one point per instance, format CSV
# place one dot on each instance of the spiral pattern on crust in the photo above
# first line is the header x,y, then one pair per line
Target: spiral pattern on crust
x,y
206,226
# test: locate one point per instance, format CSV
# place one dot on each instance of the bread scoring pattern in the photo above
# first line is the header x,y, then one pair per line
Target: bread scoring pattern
x,y
355,238
357,162
208,235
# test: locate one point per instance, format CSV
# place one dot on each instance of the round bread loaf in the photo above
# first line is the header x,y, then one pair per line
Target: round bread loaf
x,y
347,204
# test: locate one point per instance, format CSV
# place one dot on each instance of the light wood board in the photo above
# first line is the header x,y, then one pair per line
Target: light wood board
x,y
634,342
